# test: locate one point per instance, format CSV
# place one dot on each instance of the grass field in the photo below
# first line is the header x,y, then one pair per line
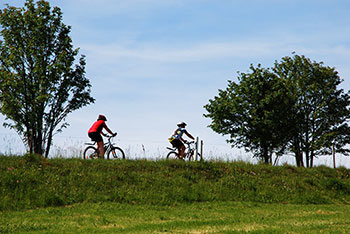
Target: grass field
x,y
140,196
206,217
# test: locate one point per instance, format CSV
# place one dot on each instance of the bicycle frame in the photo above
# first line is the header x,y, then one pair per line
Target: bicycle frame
x,y
111,151
188,151
107,146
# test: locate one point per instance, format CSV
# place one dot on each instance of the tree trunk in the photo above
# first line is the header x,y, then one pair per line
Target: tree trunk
x,y
298,153
297,158
38,145
266,155
307,158
38,137
48,144
29,138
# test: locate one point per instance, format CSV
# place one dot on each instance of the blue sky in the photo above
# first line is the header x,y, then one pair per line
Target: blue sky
x,y
153,63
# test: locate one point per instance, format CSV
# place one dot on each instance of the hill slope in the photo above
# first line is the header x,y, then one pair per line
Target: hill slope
x,y
29,182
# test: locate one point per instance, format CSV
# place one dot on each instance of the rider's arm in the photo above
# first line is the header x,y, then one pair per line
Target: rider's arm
x,y
108,130
189,135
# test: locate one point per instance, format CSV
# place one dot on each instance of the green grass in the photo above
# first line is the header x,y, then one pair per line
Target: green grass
x,y
204,217
29,182
140,196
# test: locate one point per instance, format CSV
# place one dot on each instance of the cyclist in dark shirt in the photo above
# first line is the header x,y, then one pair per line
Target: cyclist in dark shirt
x,y
95,133
176,139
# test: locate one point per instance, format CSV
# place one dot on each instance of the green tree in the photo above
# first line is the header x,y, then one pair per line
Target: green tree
x,y
40,84
321,109
255,113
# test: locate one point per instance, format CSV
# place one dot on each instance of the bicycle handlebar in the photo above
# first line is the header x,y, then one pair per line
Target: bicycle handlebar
x,y
111,136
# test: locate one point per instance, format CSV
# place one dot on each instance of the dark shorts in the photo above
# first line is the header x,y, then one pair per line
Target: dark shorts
x,y
177,143
95,136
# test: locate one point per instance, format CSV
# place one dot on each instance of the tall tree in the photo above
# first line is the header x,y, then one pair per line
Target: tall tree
x,y
321,108
255,113
40,84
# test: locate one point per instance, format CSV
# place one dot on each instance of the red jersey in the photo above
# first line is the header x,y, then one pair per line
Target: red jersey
x,y
97,126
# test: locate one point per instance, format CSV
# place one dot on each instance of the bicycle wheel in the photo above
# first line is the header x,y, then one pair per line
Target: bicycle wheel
x,y
116,153
172,155
90,153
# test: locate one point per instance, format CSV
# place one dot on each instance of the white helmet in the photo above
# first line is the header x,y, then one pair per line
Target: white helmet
x,y
181,124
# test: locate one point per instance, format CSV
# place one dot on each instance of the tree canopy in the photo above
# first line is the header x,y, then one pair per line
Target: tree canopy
x,y
40,84
254,113
321,108
295,106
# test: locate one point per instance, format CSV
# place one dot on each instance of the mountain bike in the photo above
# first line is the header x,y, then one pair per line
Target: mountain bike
x,y
189,152
112,151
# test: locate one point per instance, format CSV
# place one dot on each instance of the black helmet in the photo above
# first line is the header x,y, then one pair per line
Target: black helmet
x,y
181,124
102,117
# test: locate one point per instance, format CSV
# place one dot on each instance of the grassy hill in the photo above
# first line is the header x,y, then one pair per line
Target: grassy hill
x,y
30,182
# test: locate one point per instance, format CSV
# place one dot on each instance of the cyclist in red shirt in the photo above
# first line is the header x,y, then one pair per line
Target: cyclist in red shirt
x,y
95,133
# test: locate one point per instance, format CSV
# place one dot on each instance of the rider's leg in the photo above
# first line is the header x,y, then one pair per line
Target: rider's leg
x,y
100,149
182,151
